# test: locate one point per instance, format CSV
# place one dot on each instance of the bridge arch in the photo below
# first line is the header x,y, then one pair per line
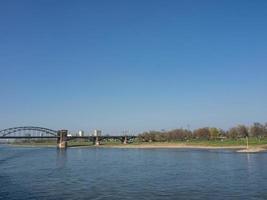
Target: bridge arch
x,y
24,129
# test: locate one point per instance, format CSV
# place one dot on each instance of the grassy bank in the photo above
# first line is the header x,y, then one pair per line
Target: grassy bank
x,y
228,142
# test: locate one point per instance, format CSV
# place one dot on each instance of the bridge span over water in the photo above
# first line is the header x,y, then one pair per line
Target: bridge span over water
x,y
62,137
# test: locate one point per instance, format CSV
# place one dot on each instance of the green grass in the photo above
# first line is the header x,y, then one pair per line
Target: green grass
x,y
230,142
225,142
79,143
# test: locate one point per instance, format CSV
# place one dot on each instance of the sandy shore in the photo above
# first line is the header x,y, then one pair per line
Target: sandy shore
x,y
241,148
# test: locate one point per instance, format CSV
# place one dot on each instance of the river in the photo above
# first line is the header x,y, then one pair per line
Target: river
x,y
136,174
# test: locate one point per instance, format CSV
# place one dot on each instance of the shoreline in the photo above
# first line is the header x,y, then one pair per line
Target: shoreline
x,y
238,148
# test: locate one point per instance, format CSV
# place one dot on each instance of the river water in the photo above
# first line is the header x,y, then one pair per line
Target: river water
x,y
105,173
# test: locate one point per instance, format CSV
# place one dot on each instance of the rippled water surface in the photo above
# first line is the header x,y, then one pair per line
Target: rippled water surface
x,y
98,173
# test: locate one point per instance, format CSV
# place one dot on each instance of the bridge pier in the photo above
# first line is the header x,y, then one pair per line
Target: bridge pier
x,y
62,139
125,140
96,141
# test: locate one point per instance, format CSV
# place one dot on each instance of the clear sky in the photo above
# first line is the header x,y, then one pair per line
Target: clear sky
x,y
135,65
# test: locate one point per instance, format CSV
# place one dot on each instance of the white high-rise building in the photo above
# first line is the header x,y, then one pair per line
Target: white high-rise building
x,y
97,133
81,133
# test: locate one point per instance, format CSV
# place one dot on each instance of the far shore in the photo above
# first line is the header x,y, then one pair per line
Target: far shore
x,y
238,148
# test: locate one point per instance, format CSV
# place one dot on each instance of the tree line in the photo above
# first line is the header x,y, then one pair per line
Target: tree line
x,y
207,133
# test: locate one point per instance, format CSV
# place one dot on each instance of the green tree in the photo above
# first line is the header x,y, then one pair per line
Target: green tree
x,y
257,130
214,133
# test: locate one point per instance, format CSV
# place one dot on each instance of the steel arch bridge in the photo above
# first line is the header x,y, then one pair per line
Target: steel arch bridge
x,y
62,137
28,132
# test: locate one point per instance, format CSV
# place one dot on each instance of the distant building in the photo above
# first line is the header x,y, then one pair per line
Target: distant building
x,y
81,133
69,135
97,133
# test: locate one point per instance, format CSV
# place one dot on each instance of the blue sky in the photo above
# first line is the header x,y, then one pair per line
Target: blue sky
x,y
134,65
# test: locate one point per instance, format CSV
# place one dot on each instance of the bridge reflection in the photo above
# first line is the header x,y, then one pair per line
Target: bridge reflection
x,y
61,158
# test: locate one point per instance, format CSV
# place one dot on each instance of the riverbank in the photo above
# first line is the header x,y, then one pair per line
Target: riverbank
x,y
238,148
164,145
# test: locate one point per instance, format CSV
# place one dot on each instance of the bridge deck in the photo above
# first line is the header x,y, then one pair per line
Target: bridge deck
x,y
27,137
69,137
